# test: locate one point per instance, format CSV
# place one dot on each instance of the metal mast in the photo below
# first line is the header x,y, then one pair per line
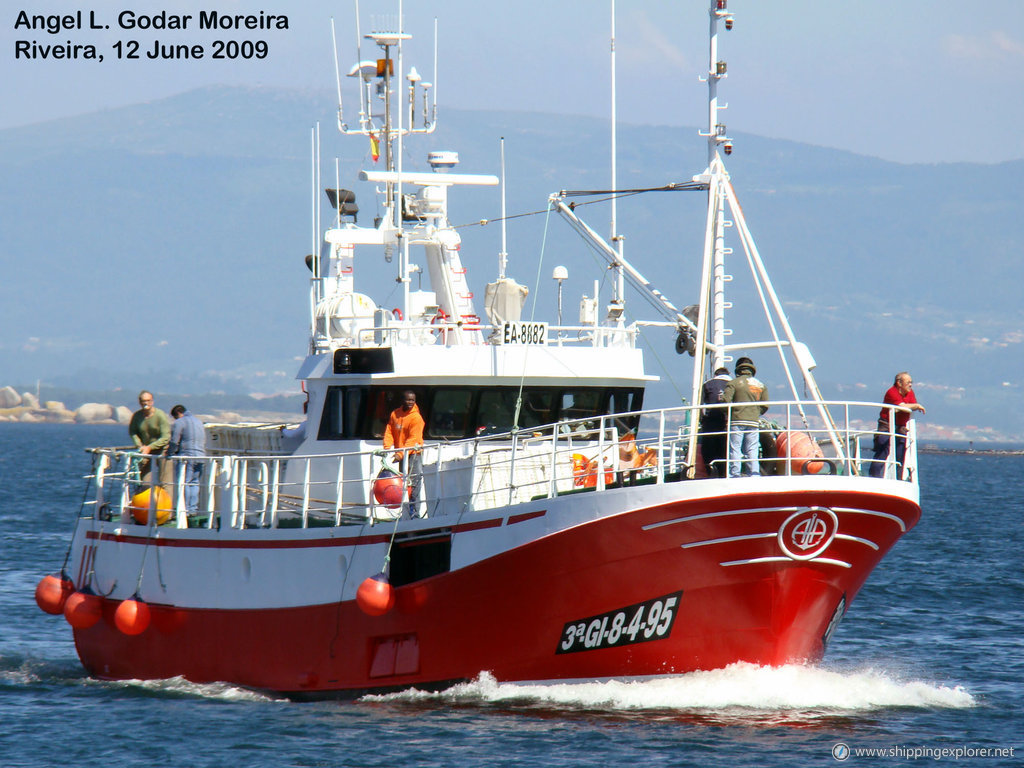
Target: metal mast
x,y
616,238
714,278
717,70
712,303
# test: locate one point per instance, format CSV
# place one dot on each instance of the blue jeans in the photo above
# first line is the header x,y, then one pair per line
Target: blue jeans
x,y
744,442
412,468
881,448
193,479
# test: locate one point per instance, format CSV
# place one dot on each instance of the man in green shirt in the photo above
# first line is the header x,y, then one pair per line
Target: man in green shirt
x,y
150,430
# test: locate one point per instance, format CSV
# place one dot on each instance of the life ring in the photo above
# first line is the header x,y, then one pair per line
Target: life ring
x,y
441,318
397,314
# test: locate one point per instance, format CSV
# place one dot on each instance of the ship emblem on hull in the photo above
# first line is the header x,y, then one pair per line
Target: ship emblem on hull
x,y
807,533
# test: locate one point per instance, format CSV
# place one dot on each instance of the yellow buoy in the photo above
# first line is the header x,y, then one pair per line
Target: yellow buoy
x,y
140,506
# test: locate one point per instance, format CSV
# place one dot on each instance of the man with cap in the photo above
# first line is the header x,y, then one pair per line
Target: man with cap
x,y
713,436
746,393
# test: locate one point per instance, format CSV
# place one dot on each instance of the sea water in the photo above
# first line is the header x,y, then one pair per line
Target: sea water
x,y
927,665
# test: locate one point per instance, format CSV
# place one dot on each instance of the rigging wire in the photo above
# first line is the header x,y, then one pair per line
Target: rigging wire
x,y
680,186
96,458
332,645
652,348
485,222
610,195
533,314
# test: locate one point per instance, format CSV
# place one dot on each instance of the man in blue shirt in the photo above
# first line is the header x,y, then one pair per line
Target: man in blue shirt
x,y
188,438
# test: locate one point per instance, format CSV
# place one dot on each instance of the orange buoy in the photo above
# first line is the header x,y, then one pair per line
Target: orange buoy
x,y
83,609
132,617
375,595
52,593
388,489
584,472
800,450
140,506
579,469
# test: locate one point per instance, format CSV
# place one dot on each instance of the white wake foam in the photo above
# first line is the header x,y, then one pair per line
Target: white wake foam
x,y
181,687
20,678
739,687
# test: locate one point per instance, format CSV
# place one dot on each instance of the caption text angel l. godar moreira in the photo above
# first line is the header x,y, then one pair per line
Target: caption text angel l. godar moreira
x,y
137,36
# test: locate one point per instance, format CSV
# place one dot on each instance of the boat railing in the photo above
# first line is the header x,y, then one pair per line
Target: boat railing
x,y
451,332
602,453
795,438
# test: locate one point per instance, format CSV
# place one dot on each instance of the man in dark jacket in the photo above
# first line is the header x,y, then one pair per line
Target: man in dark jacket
x,y
746,394
713,436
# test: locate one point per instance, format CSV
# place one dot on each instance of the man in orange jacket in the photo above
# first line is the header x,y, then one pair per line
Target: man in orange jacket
x,y
405,433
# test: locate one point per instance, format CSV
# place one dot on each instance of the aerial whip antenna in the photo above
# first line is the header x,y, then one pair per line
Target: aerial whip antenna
x,y
503,256
337,76
433,112
363,106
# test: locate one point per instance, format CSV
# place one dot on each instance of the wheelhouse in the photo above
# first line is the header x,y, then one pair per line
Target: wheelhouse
x,y
454,412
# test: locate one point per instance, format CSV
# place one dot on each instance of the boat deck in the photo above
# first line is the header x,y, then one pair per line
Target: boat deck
x,y
251,481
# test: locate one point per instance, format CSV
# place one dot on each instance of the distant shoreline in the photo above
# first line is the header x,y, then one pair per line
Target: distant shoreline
x,y
264,417
61,406
229,417
933,449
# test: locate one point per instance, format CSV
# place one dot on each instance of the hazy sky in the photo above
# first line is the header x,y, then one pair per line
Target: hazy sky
x,y
913,81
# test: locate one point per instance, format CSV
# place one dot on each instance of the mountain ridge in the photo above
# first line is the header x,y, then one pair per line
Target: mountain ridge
x,y
132,236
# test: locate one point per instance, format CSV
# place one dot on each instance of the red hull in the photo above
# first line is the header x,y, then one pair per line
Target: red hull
x,y
741,599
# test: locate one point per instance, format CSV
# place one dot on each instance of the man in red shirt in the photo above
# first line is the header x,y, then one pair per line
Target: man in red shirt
x,y
900,393
405,432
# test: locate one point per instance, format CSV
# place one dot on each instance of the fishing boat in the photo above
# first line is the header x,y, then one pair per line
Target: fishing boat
x,y
559,529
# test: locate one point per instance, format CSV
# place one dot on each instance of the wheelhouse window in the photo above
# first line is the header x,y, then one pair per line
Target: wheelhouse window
x,y
538,407
342,418
496,412
457,412
450,412
624,401
581,404
385,400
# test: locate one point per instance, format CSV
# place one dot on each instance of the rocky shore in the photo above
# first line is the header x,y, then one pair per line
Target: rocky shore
x,y
25,407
